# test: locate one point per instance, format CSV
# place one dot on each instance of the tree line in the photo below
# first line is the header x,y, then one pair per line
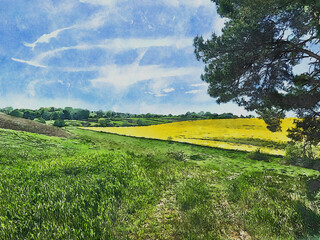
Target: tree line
x,y
69,113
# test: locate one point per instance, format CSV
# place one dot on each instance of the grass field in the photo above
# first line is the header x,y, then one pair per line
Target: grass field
x,y
236,134
105,186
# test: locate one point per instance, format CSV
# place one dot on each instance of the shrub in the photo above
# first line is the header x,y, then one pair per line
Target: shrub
x,y
299,154
257,155
40,120
102,122
59,123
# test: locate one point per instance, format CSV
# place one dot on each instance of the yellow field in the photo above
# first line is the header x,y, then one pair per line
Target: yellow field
x,y
236,134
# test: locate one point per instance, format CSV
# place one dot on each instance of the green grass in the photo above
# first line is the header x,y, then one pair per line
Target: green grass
x,y
104,186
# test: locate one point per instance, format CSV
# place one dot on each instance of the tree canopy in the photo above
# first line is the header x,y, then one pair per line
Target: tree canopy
x,y
256,61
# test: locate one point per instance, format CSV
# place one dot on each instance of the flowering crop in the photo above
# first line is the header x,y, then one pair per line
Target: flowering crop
x,y
236,134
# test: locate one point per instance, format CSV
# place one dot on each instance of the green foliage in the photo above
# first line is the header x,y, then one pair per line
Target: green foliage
x,y
40,120
252,62
303,155
102,122
306,131
16,113
59,123
141,122
272,117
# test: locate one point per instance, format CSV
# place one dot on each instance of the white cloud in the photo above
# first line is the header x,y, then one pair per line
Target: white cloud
x,y
99,2
45,38
191,3
126,75
97,21
31,88
119,45
93,23
218,24
160,95
174,3
193,91
168,90
199,85
31,63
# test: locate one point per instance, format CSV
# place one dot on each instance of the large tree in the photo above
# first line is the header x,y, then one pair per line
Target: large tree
x,y
256,61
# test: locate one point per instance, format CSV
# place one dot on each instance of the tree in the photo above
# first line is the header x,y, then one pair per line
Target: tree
x,y
16,113
252,63
66,114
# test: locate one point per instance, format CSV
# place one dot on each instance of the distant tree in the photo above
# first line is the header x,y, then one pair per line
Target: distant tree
x,y
46,115
100,114
57,115
225,116
125,123
66,114
6,110
16,113
29,114
110,114
141,122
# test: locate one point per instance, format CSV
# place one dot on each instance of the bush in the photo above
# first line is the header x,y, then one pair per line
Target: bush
x,y
299,154
102,122
258,155
142,122
40,120
16,113
59,123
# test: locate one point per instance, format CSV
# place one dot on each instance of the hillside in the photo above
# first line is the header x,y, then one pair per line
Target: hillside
x,y
21,124
106,186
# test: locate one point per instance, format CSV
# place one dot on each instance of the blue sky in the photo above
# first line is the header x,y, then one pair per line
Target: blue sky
x,y
127,56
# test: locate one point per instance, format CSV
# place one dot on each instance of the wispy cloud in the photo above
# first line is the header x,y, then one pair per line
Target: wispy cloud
x,y
115,45
99,2
95,22
168,90
199,85
193,91
174,3
31,63
191,3
126,75
45,38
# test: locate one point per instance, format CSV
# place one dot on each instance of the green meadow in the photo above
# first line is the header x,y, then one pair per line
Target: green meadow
x,y
103,186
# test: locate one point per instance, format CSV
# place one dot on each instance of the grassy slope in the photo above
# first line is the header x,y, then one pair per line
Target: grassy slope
x,y
104,186
21,124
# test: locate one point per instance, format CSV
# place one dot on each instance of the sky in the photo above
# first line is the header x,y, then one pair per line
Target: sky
x,y
125,56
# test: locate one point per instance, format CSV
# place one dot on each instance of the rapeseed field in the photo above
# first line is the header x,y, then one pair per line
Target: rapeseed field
x,y
236,134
